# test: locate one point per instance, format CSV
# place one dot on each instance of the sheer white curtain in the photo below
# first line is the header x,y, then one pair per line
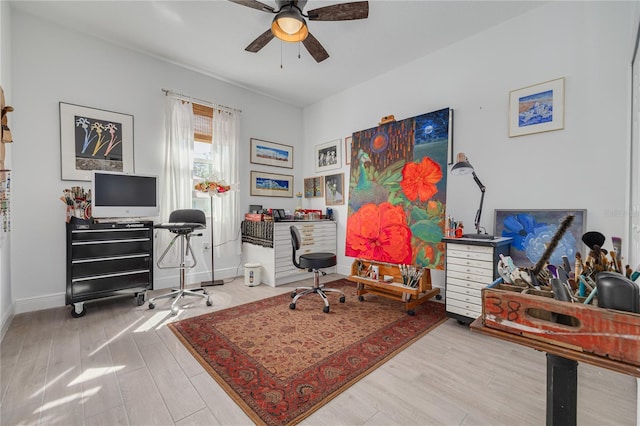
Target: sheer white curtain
x,y
178,158
224,150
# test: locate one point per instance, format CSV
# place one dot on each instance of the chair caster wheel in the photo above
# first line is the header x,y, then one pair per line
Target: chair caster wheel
x,y
325,309
292,306
140,299
209,303
438,297
293,294
174,310
78,314
411,312
360,298
152,305
342,299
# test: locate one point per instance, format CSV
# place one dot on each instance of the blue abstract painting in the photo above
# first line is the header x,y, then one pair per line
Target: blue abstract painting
x,y
532,230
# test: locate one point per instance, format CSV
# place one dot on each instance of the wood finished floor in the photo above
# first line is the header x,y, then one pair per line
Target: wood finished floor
x,y
121,365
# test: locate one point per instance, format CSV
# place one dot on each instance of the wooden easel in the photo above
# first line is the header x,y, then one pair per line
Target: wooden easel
x,y
394,289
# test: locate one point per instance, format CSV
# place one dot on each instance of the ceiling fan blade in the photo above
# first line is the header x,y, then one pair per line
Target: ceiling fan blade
x,y
260,42
315,48
341,12
254,4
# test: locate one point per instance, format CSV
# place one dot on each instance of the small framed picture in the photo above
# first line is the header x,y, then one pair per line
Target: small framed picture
x,y
271,154
94,139
271,184
334,189
347,150
537,108
313,187
328,156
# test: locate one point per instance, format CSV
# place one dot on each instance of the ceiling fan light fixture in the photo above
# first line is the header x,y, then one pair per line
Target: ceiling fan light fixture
x,y
289,26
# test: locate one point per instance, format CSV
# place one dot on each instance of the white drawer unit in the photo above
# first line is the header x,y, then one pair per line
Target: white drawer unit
x,y
471,266
277,266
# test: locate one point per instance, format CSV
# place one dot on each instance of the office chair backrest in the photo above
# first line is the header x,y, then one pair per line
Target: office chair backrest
x,y
188,216
295,244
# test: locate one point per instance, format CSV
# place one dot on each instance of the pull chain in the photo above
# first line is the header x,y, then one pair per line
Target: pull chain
x,y
280,54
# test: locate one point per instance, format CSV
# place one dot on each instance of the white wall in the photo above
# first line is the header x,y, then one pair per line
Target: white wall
x,y
51,64
580,167
6,306
634,160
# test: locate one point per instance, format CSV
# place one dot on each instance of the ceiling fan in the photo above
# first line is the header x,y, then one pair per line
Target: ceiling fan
x,y
290,25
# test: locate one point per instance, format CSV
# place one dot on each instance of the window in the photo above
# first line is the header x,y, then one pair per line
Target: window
x,y
202,158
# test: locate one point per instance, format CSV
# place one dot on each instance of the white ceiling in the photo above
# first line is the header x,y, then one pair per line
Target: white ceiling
x,y
210,37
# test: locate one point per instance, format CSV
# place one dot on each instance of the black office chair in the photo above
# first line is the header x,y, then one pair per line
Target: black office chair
x,y
183,223
313,262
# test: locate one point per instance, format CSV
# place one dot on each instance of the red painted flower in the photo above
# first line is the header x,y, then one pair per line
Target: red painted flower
x,y
419,180
379,233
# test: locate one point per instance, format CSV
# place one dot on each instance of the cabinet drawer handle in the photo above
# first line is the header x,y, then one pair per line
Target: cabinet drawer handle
x,y
106,259
118,274
129,240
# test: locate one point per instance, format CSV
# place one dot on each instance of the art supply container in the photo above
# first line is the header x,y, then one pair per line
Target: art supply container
x,y
375,272
252,274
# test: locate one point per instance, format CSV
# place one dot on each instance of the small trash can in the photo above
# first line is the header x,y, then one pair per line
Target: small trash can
x,y
252,274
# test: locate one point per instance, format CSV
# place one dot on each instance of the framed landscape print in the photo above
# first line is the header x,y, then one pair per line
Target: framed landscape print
x,y
334,189
271,184
532,230
94,139
313,187
328,156
537,108
271,154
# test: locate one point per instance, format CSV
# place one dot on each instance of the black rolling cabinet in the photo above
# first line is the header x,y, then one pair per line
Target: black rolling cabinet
x,y
108,259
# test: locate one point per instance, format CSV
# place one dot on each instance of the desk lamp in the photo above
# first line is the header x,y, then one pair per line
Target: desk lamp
x,y
463,167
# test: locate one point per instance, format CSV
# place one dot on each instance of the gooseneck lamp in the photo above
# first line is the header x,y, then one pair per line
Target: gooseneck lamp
x,y
463,167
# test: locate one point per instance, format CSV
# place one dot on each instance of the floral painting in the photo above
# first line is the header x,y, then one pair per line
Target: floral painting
x,y
397,191
532,230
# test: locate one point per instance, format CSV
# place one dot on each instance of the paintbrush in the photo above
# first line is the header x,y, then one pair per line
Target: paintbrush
x,y
566,265
564,226
617,249
579,267
635,274
614,261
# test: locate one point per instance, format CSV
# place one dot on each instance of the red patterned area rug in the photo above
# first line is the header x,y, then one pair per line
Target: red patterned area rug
x,y
280,365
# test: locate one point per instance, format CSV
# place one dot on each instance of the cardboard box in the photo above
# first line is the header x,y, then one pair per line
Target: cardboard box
x,y
603,332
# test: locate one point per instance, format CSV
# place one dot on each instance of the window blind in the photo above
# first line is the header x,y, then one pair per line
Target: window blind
x,y
202,123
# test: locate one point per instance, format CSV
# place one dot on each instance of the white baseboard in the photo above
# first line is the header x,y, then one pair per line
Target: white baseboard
x,y
6,322
39,303
56,300
344,270
193,278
